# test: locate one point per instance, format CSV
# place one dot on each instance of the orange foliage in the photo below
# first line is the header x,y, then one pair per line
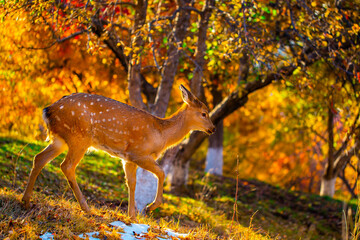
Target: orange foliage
x,y
32,79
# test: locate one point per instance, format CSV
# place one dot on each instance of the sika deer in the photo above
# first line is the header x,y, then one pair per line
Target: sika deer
x,y
82,120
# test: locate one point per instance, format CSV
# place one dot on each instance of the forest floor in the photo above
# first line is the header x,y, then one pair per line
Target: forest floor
x,y
208,209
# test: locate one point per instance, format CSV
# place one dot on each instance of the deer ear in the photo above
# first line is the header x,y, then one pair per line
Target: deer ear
x,y
187,96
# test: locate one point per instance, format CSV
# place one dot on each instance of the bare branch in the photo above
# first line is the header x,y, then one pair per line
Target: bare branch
x,y
348,135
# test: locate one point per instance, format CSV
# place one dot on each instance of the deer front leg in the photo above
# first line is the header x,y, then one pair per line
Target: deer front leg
x,y
130,174
49,153
152,166
68,167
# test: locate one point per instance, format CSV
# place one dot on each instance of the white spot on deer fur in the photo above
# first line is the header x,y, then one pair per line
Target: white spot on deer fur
x,y
61,107
72,113
79,104
67,126
98,99
84,106
100,112
114,118
100,105
147,126
82,114
104,120
109,119
91,103
105,100
112,108
85,95
57,117
91,120
107,110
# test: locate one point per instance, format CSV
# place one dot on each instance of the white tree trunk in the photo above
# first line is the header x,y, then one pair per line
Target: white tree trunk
x,y
214,157
214,161
327,187
146,187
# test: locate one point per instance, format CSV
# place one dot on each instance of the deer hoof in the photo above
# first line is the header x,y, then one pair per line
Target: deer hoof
x,y
151,207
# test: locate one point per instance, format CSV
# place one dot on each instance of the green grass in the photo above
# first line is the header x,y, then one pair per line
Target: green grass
x,y
208,209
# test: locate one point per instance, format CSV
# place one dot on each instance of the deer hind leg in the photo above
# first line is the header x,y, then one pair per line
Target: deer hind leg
x,y
68,167
130,174
54,149
152,166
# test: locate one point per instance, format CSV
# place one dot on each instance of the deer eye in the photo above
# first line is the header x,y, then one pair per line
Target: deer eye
x,y
203,114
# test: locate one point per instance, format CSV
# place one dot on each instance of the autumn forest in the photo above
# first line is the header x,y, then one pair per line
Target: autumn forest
x,y
281,80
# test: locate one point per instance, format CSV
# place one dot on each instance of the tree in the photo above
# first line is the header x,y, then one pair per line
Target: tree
x,y
254,43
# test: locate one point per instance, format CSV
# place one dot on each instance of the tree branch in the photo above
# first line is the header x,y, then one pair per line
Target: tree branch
x,y
61,40
348,136
231,103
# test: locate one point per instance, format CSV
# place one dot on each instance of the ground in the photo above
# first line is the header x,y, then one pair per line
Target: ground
x,y
211,208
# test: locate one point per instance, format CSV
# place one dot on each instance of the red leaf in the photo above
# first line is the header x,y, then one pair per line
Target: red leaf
x,y
126,11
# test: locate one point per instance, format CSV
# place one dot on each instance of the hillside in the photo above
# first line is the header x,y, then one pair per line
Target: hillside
x,y
206,211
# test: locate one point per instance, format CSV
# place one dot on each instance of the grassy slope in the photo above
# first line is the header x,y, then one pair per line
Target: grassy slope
x,y
207,210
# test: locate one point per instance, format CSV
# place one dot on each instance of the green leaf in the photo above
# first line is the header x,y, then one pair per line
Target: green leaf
x,y
266,9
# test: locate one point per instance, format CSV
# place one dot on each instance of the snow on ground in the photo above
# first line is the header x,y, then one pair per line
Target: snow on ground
x,y
129,232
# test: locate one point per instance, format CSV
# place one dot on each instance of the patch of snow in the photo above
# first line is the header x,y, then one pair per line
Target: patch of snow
x,y
47,236
89,236
134,231
171,233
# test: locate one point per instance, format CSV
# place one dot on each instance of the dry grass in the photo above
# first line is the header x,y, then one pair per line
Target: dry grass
x,y
212,209
65,219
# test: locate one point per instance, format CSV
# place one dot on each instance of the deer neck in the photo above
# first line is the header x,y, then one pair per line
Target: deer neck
x,y
175,127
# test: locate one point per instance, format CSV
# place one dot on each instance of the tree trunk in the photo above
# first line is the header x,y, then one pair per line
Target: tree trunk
x,y
146,186
145,190
134,75
329,178
180,169
182,22
327,187
214,156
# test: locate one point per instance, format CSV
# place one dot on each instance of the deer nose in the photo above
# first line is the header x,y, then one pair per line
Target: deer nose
x,y
211,130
